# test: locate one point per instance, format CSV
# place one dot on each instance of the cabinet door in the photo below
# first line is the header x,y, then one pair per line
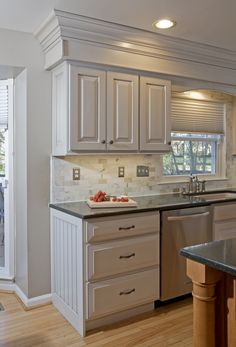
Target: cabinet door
x,y
154,114
87,109
122,112
225,230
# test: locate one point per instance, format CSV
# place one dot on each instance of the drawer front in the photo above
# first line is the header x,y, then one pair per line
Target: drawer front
x,y
115,295
121,227
225,230
122,256
222,212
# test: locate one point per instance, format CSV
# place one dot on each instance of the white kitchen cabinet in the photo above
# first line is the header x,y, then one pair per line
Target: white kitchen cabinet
x,y
104,111
78,109
110,296
122,112
87,109
155,126
224,221
98,279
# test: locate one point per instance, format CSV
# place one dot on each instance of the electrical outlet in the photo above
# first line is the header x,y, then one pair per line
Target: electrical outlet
x,y
121,171
76,174
142,171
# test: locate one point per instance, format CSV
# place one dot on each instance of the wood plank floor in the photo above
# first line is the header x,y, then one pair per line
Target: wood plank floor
x,y
170,325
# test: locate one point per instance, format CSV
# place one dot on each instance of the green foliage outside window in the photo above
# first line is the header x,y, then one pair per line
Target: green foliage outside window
x,y
191,155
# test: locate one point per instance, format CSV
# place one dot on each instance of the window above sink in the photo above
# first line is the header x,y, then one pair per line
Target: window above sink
x,y
198,135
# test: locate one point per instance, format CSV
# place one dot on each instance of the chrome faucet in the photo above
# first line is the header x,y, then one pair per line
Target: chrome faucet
x,y
191,184
194,186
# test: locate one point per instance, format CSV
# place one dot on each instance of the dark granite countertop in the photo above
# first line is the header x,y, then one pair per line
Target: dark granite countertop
x,y
145,203
220,255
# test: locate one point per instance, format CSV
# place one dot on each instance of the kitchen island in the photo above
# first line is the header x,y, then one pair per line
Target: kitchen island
x,y
212,268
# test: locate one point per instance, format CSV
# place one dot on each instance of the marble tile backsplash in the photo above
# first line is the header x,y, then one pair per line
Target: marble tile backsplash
x,y
100,172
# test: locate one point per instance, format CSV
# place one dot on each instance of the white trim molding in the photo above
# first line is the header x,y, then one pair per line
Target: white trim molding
x,y
29,303
32,302
68,36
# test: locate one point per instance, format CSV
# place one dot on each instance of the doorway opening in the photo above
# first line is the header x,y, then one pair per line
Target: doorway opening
x,y
6,176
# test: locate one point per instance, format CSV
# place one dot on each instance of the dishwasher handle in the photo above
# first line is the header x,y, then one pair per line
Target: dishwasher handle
x,y
187,216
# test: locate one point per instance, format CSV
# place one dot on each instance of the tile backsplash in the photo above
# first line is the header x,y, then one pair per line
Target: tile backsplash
x,y
100,172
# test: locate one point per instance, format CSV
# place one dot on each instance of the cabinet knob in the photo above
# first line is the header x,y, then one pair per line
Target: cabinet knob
x,y
169,143
103,141
111,142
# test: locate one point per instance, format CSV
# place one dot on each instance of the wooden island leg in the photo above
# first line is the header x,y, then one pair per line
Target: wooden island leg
x,y
231,310
204,304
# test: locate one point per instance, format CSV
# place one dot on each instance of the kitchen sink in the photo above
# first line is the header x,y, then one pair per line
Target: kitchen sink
x,y
216,196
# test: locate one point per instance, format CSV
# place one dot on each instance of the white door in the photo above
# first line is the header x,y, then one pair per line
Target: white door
x,y
154,114
122,112
6,184
87,109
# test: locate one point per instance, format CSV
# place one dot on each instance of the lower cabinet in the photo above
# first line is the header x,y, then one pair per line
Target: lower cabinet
x,y
104,269
106,297
224,221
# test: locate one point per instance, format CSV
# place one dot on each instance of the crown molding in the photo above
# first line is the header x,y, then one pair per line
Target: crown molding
x,y
61,28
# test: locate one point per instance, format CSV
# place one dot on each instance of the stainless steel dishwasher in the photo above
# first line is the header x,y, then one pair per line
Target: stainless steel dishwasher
x,y
181,228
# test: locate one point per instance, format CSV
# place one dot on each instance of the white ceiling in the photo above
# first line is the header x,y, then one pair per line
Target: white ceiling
x,y
206,21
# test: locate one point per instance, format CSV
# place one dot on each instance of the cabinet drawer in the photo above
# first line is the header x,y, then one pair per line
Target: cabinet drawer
x,y
123,226
225,230
122,293
122,256
222,212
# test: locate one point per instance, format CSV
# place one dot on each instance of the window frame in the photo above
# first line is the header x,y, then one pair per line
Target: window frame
x,y
220,167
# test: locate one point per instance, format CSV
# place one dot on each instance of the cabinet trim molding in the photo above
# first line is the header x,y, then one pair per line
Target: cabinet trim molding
x,y
70,36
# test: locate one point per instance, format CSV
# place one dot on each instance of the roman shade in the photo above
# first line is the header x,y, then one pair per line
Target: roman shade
x,y
197,116
3,104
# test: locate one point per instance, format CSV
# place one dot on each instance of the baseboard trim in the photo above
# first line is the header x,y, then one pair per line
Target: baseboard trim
x,y
27,303
32,302
7,287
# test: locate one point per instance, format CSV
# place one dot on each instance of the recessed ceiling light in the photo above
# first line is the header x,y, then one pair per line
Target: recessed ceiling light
x,y
164,24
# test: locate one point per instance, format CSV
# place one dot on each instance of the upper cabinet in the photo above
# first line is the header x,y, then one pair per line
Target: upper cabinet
x,y
99,111
155,129
87,109
122,112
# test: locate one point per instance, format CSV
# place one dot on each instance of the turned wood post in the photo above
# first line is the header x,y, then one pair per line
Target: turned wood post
x,y
204,305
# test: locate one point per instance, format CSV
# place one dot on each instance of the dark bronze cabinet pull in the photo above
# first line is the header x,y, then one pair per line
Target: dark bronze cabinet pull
x,y
127,292
127,228
103,141
127,256
111,142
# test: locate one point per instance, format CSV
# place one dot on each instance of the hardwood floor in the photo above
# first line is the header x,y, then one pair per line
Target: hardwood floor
x,y
170,325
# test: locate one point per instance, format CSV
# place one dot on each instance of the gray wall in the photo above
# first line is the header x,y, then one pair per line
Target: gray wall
x,y
33,147
20,181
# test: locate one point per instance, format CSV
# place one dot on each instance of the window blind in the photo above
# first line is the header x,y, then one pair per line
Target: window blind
x,y
197,116
3,105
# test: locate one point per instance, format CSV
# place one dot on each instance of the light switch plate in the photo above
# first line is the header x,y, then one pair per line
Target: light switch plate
x,y
76,174
142,171
121,171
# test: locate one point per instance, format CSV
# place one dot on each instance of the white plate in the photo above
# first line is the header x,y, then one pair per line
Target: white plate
x,y
105,204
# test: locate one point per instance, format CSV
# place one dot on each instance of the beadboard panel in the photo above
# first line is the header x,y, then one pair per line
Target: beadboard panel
x,y
67,267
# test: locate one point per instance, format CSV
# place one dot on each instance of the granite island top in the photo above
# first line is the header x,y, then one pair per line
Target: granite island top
x,y
220,255
145,203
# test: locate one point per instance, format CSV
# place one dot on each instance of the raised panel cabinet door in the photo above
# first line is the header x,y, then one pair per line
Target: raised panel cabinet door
x,y
225,230
122,112
87,109
155,130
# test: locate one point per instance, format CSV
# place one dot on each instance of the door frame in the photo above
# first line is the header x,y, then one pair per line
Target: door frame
x,y
8,271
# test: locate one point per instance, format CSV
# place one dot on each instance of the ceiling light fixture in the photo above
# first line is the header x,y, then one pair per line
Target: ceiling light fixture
x,y
164,24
